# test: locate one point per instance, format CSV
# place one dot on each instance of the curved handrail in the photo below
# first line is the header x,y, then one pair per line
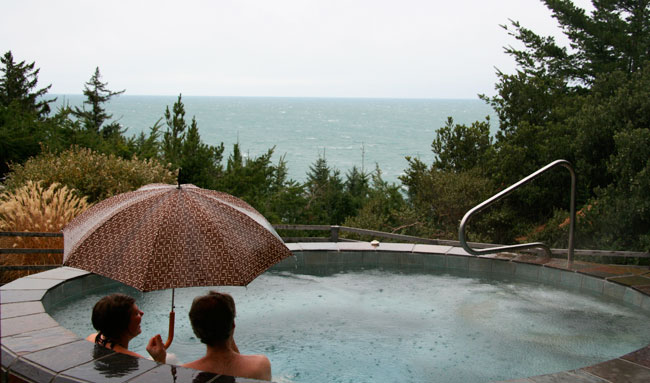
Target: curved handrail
x,y
505,192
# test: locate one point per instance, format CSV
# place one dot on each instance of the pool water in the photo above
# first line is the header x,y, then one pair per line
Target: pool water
x,y
384,325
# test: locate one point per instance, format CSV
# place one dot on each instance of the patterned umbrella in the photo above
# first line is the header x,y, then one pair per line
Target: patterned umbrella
x,y
168,236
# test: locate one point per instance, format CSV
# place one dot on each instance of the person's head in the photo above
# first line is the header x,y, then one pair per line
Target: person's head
x,y
117,316
213,318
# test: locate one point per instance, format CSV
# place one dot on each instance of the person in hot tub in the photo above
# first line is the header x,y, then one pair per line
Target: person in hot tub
x,y
117,319
213,321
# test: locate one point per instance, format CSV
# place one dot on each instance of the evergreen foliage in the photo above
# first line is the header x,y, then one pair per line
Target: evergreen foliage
x,y
147,146
554,87
183,149
18,87
460,147
357,187
442,197
23,112
383,209
249,178
20,133
93,118
175,134
326,200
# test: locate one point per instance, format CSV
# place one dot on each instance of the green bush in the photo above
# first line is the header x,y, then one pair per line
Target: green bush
x,y
443,197
94,175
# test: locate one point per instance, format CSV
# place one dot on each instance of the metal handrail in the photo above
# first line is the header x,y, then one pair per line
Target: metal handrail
x,y
505,192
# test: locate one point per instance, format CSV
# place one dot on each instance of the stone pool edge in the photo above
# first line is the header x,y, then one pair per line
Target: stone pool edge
x,y
35,348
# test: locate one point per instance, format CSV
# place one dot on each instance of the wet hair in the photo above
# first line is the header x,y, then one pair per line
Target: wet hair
x,y
213,317
111,317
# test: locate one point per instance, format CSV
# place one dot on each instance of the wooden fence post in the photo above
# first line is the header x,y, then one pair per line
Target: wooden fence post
x,y
334,233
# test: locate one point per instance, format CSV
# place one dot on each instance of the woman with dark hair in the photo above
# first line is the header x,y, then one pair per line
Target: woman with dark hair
x,y
213,321
117,319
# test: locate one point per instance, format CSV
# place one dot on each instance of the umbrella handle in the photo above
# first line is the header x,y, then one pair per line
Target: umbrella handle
x,y
170,336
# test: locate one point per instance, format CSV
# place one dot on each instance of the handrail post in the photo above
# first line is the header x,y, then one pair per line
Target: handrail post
x,y
507,191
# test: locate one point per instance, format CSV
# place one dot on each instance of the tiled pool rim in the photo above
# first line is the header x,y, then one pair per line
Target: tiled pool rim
x,y
35,348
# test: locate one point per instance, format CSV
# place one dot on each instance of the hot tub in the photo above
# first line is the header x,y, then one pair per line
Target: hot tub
x,y
38,349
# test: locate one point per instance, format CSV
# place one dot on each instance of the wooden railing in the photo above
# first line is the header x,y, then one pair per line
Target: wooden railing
x,y
28,250
334,231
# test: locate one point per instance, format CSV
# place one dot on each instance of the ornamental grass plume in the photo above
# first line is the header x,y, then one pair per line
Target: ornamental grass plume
x,y
34,208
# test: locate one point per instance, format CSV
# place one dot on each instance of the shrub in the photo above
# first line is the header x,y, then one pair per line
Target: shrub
x,y
94,175
443,197
34,208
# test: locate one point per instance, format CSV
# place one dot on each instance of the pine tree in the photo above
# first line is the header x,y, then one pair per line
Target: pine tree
x,y
175,133
614,38
200,163
327,202
18,85
182,147
356,189
97,94
24,123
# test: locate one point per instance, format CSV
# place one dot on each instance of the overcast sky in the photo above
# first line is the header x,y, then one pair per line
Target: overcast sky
x,y
297,48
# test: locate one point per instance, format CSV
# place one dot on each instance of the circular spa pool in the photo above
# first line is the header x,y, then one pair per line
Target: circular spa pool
x,y
369,323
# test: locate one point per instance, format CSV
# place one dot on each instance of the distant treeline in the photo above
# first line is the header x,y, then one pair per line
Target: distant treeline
x,y
588,103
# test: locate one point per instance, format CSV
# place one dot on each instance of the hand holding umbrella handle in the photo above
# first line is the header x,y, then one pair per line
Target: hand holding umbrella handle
x,y
170,336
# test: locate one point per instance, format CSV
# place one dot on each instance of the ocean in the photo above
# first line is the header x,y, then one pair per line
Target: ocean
x,y
346,131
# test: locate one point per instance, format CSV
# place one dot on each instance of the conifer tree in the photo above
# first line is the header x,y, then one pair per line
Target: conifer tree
x,y
615,38
97,94
18,85
175,134
147,146
200,163
327,203
24,123
183,148
252,178
356,189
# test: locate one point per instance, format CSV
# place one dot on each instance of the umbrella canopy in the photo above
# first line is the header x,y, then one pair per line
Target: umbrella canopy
x,y
168,236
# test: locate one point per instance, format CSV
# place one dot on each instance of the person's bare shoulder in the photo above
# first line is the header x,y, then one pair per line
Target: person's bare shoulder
x,y
195,365
117,348
259,367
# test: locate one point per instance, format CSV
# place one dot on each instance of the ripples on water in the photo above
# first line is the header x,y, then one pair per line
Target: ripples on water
x,y
381,326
